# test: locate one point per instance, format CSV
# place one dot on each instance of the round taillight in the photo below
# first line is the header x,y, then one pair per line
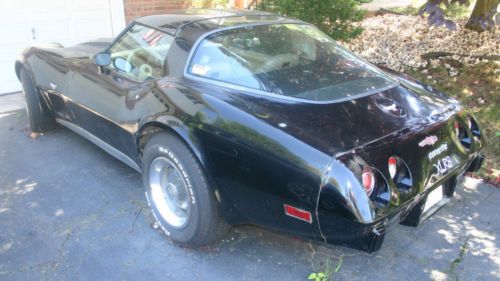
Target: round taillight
x,y
474,128
368,180
462,135
393,166
456,125
400,173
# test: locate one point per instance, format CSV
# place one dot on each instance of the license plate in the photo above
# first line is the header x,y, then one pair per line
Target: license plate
x,y
443,165
433,198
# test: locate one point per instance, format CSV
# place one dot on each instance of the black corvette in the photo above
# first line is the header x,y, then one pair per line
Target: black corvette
x,y
244,117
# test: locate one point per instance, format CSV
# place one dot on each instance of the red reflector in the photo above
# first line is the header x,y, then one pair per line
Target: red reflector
x,y
298,213
457,128
393,165
368,180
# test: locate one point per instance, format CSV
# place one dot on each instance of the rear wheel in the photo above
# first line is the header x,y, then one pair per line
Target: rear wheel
x,y
39,117
178,192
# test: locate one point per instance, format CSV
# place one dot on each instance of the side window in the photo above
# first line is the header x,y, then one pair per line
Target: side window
x,y
141,52
218,62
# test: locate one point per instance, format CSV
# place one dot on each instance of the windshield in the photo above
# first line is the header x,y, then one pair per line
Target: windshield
x,y
295,60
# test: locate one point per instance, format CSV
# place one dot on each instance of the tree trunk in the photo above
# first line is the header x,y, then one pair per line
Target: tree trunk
x,y
481,8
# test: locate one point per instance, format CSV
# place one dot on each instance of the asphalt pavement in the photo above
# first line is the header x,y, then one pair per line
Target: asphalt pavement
x,y
69,211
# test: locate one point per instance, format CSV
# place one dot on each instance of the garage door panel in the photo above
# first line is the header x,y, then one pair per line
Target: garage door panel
x,y
53,31
15,39
13,34
92,5
92,29
92,25
30,22
49,6
8,79
7,6
10,53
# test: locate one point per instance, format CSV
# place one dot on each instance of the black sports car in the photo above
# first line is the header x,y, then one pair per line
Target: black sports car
x,y
245,117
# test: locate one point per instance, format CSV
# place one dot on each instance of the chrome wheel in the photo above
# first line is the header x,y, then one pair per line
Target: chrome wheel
x,y
169,192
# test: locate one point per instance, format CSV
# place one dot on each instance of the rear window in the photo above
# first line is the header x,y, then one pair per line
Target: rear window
x,y
295,60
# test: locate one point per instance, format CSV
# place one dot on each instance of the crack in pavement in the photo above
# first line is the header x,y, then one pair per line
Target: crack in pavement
x,y
62,254
453,265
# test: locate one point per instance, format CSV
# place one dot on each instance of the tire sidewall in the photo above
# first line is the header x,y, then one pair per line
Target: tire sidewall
x,y
31,99
39,117
173,153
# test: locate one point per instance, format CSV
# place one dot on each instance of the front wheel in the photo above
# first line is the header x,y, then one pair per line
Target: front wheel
x,y
39,117
178,192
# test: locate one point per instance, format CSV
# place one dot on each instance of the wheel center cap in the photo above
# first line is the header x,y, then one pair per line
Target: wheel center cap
x,y
171,190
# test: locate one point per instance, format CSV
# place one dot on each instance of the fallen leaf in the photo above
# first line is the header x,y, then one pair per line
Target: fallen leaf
x,y
34,135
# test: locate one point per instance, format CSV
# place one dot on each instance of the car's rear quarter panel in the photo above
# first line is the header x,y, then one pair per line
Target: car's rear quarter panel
x,y
257,167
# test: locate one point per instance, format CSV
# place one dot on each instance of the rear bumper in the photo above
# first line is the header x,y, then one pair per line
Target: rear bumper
x,y
339,228
369,237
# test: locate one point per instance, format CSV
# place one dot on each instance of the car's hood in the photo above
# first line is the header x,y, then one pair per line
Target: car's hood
x,y
338,127
82,50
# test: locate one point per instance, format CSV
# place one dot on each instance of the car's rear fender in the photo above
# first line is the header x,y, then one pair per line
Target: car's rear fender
x,y
431,153
348,216
155,124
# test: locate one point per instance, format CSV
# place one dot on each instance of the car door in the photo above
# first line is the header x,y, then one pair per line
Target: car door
x,y
108,101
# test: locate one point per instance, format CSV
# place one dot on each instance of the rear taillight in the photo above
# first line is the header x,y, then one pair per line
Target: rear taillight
x,y
368,178
400,173
473,127
375,186
393,166
462,135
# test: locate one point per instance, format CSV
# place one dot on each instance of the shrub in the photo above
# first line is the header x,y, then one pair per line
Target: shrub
x,y
334,17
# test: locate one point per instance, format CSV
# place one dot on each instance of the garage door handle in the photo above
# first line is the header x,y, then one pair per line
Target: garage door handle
x,y
33,32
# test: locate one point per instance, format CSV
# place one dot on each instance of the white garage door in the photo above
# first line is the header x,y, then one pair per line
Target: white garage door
x,y
29,22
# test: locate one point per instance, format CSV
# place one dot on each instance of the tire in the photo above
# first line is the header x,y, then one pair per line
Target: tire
x,y
167,160
39,117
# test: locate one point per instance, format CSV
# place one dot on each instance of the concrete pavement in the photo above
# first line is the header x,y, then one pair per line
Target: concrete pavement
x,y
10,102
69,211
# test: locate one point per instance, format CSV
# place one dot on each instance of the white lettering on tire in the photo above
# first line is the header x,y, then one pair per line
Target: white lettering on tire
x,y
156,218
181,168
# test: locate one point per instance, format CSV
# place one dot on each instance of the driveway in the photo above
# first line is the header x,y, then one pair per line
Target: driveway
x,y
69,211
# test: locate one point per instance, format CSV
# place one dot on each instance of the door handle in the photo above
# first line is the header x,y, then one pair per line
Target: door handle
x,y
33,33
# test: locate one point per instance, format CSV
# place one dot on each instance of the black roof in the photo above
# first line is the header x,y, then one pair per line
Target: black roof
x,y
207,19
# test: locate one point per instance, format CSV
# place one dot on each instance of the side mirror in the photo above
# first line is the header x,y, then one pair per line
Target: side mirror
x,y
102,59
122,64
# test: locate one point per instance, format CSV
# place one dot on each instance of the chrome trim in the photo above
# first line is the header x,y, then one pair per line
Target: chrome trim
x,y
100,143
349,187
260,93
169,192
263,14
